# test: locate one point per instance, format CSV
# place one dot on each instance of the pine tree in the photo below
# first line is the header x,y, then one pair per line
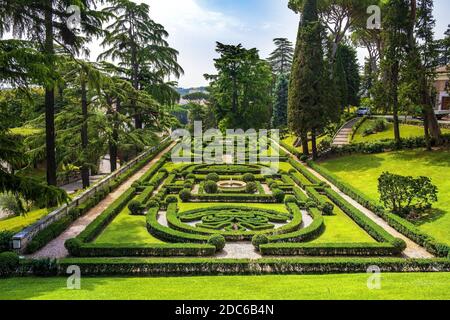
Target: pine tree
x,y
281,58
279,116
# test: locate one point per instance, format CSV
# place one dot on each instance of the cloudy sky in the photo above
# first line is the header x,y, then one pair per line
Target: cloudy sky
x,y
195,26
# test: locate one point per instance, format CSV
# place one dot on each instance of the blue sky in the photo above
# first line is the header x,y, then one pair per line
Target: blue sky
x,y
195,26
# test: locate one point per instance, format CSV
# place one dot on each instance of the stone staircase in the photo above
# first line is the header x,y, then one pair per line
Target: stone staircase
x,y
342,138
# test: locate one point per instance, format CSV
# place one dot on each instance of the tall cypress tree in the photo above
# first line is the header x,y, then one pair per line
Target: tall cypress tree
x,y
306,83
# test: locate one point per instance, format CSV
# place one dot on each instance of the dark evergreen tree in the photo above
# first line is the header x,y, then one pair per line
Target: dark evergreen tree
x,y
279,113
353,79
281,58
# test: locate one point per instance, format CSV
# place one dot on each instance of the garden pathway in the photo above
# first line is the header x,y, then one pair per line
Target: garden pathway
x,y
342,138
413,250
56,249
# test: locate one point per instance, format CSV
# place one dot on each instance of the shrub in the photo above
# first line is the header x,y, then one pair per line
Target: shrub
x,y
11,204
185,195
152,204
259,239
251,188
248,177
135,207
273,185
5,240
279,195
170,199
213,177
44,267
210,187
304,157
190,176
73,246
290,199
9,261
217,241
327,209
310,204
404,194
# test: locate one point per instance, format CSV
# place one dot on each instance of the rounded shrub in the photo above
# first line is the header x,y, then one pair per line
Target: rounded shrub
x,y
152,204
135,207
279,195
9,261
217,241
213,177
210,186
5,240
399,244
327,209
251,188
188,185
248,177
73,246
259,239
290,199
185,195
190,176
171,199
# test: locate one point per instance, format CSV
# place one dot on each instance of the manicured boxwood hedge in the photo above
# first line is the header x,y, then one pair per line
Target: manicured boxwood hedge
x,y
239,197
328,249
314,230
143,250
401,225
203,266
305,172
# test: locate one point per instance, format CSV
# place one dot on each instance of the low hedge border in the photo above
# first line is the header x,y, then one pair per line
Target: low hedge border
x,y
305,172
204,266
144,250
401,225
314,230
328,249
168,234
239,197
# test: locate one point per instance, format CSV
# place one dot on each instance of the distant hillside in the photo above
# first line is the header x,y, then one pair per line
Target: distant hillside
x,y
185,91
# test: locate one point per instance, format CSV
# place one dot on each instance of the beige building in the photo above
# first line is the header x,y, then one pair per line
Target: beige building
x,y
442,85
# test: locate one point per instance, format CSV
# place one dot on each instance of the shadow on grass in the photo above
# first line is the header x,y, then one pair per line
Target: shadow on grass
x,y
432,215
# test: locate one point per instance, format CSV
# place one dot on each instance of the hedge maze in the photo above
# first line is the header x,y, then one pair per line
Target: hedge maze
x,y
195,210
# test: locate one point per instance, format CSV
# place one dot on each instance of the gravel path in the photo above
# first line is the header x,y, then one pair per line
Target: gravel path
x,y
56,249
413,250
239,250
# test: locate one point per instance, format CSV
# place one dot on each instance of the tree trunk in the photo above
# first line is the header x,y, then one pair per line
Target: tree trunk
x,y
84,135
426,130
304,138
113,150
315,154
395,75
50,101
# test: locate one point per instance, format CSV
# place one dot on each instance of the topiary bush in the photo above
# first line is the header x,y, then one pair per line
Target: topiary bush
x,y
9,261
73,246
210,187
327,209
217,241
290,199
171,199
248,177
279,195
185,195
259,239
251,188
135,207
213,177
304,158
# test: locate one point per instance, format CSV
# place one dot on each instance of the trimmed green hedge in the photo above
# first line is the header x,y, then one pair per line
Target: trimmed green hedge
x,y
305,172
202,266
328,249
401,225
143,250
314,230
238,197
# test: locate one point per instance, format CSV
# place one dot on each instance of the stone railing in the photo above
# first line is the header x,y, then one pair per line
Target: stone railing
x,y
21,239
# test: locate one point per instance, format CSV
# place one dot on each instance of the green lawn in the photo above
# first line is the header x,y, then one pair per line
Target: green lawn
x,y
195,205
290,140
362,172
340,228
127,229
17,223
406,131
399,286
